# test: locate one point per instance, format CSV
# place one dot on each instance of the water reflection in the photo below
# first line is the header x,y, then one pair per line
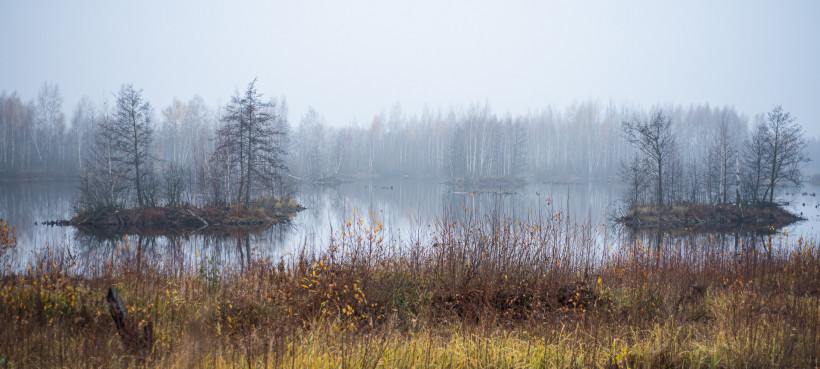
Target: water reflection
x,y
407,209
721,243
91,254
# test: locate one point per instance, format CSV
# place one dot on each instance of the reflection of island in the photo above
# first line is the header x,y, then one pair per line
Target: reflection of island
x,y
689,243
233,246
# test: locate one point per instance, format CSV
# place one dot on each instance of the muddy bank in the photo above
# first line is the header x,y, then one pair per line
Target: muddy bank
x,y
722,216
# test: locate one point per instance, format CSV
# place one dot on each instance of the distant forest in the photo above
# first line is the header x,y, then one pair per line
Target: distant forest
x,y
38,139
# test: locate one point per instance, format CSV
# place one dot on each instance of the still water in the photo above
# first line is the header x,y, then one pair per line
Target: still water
x,y
407,209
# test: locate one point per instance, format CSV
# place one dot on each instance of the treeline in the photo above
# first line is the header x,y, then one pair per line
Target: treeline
x,y
471,143
37,139
583,140
126,157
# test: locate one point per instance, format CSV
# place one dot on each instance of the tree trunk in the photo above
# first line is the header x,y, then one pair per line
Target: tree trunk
x,y
135,342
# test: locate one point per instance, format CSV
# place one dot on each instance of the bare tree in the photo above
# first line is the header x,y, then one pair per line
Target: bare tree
x,y
133,132
285,185
342,149
49,126
635,174
754,162
215,178
654,139
174,184
82,126
785,148
173,140
101,182
311,144
720,161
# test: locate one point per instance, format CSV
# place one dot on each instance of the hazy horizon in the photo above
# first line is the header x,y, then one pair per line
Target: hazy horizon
x,y
350,61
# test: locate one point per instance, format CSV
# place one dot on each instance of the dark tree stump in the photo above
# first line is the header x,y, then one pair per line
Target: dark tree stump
x,y
136,343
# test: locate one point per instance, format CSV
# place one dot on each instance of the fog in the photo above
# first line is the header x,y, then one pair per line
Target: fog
x,y
482,96
352,61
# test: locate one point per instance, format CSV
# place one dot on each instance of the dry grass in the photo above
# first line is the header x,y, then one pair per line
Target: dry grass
x,y
176,220
488,292
761,218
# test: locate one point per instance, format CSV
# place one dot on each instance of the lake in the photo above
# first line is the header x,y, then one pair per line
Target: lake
x,y
408,210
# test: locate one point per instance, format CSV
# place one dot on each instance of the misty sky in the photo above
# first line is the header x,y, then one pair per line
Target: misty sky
x,y
349,60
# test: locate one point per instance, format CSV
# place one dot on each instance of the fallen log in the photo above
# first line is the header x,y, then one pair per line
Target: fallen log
x,y
198,217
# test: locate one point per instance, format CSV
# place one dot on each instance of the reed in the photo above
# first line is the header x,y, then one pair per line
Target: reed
x,y
476,290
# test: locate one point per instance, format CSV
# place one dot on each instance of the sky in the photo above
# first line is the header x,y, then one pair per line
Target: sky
x,y
351,60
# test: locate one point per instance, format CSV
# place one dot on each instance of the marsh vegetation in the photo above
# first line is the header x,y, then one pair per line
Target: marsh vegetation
x,y
437,240
483,291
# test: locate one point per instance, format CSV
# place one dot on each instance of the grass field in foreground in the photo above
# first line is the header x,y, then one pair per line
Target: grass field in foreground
x,y
479,293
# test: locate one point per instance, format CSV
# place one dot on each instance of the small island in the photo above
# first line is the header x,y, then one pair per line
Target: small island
x,y
734,187
185,219
241,186
762,217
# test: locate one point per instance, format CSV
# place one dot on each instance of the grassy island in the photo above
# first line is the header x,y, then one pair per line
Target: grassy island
x,y
752,217
184,219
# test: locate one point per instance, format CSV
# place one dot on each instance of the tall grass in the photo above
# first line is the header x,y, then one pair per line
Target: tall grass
x,y
481,290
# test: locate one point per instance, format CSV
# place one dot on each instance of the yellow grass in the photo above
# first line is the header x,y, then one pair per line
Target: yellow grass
x,y
524,295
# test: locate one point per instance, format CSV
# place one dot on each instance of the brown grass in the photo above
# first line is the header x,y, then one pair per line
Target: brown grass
x,y
491,292
704,217
177,220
